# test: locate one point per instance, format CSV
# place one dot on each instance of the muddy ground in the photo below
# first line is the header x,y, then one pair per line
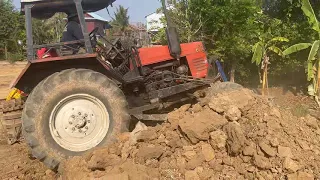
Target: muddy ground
x,y
250,138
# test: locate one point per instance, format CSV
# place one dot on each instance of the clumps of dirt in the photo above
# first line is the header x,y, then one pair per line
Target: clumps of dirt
x,y
16,163
233,135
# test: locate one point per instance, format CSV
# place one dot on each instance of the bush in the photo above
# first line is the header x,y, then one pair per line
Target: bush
x,y
14,57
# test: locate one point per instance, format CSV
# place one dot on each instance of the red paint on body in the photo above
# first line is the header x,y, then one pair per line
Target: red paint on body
x,y
194,52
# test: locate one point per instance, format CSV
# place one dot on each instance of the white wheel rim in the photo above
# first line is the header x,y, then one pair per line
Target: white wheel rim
x,y
79,122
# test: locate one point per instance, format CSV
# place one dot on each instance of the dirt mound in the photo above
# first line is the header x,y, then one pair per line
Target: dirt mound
x,y
233,135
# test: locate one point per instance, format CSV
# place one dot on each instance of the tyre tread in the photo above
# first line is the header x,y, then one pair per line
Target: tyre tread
x,y
39,93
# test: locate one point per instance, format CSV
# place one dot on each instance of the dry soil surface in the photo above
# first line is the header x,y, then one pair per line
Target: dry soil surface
x,y
15,163
232,135
8,72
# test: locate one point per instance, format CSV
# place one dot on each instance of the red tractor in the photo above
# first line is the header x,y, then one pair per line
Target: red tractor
x,y
78,102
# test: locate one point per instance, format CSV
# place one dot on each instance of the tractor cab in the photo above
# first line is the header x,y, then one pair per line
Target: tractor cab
x,y
44,9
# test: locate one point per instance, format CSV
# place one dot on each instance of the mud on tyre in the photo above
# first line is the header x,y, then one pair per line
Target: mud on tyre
x,y
72,112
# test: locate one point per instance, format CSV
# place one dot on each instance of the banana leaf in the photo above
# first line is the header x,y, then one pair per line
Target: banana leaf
x,y
258,53
309,12
296,48
276,50
312,56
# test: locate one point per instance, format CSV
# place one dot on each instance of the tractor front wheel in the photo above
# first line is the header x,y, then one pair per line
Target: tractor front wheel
x,y
71,112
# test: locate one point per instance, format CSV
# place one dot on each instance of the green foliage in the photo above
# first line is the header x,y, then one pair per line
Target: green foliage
x,y
262,48
311,59
308,11
120,21
276,50
296,48
313,62
258,50
12,29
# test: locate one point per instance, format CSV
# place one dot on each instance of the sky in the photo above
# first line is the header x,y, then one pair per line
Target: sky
x,y
138,9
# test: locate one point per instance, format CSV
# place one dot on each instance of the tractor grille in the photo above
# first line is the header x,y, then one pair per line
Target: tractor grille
x,y
200,65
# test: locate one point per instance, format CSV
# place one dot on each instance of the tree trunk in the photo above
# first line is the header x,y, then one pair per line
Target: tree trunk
x,y
233,70
318,78
5,51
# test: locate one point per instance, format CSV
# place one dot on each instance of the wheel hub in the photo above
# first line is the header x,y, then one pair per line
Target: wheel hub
x,y
79,122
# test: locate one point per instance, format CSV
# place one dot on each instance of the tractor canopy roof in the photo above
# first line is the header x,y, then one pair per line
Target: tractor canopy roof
x,y
44,9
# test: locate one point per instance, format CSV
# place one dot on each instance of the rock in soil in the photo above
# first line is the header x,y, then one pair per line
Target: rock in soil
x,y
198,126
290,165
218,139
270,151
284,151
207,152
262,162
236,139
300,176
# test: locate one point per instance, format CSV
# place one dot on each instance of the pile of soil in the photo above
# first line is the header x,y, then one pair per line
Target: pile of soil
x,y
231,135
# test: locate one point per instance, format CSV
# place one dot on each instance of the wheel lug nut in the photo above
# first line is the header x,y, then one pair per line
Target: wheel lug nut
x,y
79,113
86,127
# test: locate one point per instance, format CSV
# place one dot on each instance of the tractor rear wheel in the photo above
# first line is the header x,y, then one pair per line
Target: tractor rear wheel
x,y
71,112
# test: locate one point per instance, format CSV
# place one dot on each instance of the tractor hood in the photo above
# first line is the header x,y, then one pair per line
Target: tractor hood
x,y
44,9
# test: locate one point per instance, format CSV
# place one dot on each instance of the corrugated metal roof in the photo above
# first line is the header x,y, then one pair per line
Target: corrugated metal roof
x,y
96,16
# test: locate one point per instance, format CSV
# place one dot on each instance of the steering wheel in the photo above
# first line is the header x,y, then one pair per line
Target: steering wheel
x,y
93,36
93,33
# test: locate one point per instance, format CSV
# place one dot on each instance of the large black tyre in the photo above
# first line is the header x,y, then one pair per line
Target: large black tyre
x,y
49,94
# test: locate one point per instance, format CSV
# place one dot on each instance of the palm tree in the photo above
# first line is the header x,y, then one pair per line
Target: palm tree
x,y
120,21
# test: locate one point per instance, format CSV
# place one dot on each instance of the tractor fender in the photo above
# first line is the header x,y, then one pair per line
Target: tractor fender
x,y
37,70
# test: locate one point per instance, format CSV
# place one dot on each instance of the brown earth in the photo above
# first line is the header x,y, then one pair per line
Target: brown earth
x,y
235,135
8,72
15,163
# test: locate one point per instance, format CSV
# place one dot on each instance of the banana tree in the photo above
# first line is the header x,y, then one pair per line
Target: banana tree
x,y
313,68
261,56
